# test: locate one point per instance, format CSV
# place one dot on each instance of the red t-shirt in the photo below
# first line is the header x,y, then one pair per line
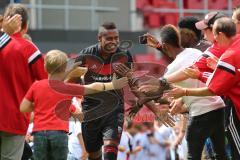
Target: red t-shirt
x,y
51,108
226,78
201,64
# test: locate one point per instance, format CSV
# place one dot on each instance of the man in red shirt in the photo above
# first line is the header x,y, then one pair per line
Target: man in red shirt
x,y
9,26
225,79
21,64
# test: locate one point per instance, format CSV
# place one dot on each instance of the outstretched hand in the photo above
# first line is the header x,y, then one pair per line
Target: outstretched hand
x,y
192,72
164,117
119,83
176,92
11,25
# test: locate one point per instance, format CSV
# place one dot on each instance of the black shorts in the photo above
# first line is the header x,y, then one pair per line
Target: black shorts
x,y
108,127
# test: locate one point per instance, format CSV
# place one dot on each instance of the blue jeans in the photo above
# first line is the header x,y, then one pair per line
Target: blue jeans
x,y
50,145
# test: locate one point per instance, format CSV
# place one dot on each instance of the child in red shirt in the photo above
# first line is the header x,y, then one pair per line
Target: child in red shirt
x,y
43,97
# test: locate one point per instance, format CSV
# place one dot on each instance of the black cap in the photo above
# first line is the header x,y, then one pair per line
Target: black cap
x,y
189,23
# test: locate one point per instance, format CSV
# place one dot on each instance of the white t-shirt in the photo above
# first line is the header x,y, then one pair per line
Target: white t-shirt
x,y
162,134
126,140
197,105
74,146
140,139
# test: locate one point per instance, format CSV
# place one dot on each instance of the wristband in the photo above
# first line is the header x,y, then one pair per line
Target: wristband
x,y
163,81
108,86
185,92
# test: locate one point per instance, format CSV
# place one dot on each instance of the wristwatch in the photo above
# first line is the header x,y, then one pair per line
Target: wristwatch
x,y
163,81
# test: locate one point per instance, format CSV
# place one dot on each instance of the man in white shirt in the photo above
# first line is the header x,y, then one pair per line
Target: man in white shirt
x,y
207,119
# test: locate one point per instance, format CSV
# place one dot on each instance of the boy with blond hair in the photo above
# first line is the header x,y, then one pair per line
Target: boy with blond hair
x,y
50,132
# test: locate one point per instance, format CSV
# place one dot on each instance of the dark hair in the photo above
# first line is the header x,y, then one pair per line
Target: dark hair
x,y
109,25
170,35
226,26
189,23
13,9
188,38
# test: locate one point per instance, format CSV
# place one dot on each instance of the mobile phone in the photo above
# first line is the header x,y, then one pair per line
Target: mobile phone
x,y
142,39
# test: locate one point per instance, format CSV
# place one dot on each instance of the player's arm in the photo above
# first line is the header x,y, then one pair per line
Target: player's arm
x,y
176,77
26,106
98,87
79,90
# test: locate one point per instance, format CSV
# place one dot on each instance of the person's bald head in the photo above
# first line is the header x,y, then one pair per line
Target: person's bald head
x,y
226,26
224,30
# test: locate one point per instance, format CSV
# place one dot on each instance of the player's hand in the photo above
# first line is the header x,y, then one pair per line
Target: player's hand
x,y
151,40
149,88
176,106
176,92
134,109
77,72
119,83
164,117
192,72
123,70
212,62
12,25
151,80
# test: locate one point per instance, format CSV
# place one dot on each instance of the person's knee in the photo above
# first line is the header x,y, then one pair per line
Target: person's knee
x,y
95,155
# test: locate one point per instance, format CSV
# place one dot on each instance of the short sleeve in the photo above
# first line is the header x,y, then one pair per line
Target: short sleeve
x,y
29,95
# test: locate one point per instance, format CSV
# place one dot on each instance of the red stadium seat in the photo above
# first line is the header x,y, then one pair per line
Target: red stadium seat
x,y
152,20
169,19
235,3
195,4
218,4
140,4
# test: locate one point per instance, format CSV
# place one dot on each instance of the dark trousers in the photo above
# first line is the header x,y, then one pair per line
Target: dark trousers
x,y
233,134
208,125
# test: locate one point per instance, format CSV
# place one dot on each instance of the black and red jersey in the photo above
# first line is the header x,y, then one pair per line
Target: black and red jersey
x,y
100,69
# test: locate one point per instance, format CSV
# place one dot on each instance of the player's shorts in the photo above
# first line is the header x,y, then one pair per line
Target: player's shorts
x,y
108,127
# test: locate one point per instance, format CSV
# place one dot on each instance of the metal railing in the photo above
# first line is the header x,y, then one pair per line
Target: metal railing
x,y
36,9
